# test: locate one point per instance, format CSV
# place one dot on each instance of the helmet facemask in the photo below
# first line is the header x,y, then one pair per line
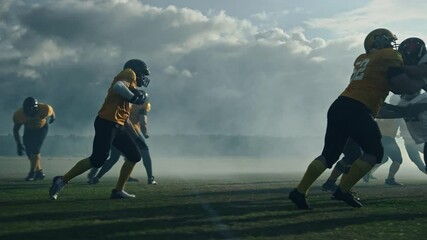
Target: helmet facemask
x,y
384,41
142,80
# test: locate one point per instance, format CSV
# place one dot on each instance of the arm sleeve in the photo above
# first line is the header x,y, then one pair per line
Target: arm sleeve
x,y
120,88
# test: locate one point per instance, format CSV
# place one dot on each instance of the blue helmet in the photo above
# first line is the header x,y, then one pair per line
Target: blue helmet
x,y
141,70
30,106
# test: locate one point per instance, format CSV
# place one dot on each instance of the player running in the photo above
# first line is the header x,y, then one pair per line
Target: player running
x,y
109,129
376,72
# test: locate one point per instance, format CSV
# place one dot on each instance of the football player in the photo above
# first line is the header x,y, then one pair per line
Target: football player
x,y
376,72
109,129
136,126
34,116
414,51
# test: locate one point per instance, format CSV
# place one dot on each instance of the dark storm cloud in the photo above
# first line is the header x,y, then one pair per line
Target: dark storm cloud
x,y
210,74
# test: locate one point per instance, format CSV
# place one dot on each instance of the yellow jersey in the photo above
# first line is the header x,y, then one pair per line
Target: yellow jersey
x,y
38,121
369,82
115,107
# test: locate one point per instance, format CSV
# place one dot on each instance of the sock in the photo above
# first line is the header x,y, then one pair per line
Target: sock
x,y
314,170
394,167
125,172
80,167
357,171
37,162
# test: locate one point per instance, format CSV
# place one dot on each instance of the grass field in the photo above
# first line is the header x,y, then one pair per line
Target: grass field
x,y
227,206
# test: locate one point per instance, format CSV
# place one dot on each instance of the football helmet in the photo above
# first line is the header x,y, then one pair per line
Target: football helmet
x,y
378,39
30,106
141,70
412,50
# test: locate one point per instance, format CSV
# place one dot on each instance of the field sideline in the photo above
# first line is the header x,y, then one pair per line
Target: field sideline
x,y
228,206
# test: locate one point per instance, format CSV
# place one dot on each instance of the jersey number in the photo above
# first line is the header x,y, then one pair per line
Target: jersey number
x,y
359,70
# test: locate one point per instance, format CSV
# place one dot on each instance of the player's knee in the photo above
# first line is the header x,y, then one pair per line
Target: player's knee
x,y
141,144
370,159
398,160
97,160
134,158
323,160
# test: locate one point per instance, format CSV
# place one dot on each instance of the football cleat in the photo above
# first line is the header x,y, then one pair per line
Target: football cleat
x,y
347,197
299,199
329,186
31,176
131,179
151,181
115,194
392,182
366,178
93,181
57,185
39,175
92,173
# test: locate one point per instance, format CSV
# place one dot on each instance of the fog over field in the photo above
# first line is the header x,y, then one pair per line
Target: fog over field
x,y
243,68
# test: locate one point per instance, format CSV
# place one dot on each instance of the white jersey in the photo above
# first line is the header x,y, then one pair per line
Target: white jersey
x,y
417,127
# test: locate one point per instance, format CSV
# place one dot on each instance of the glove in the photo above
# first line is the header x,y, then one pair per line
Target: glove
x,y
52,119
20,149
138,92
139,98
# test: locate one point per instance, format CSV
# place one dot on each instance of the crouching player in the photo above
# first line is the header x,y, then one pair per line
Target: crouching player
x,y
33,115
109,129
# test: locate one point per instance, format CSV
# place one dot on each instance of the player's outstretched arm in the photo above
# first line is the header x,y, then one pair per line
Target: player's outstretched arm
x,y
121,89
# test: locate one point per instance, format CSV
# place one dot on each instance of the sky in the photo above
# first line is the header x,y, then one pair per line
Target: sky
x,y
233,67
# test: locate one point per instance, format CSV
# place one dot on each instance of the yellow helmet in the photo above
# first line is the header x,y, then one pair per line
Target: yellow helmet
x,y
380,38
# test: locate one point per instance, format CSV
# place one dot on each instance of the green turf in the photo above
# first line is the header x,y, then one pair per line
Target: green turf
x,y
244,206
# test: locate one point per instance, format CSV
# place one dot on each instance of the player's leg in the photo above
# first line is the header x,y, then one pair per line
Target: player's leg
x,y
385,140
92,173
413,151
114,157
127,146
393,151
138,138
105,132
29,141
424,155
146,159
335,139
33,140
351,153
366,133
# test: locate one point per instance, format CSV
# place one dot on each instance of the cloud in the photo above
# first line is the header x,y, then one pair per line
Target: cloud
x,y
213,73
393,14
